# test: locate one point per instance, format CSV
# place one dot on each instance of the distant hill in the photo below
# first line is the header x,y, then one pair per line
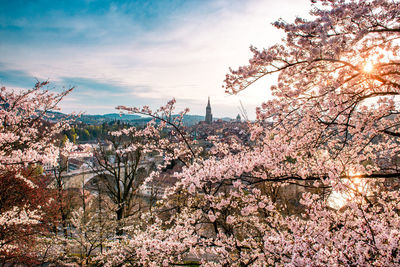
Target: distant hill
x,y
190,120
118,116
132,119
99,119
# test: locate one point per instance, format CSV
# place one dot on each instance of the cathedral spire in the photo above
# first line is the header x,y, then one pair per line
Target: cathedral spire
x,y
208,112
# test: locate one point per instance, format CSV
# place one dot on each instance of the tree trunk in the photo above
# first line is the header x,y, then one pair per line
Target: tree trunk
x,y
120,216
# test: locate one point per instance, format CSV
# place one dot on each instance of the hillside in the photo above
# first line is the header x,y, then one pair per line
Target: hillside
x,y
132,119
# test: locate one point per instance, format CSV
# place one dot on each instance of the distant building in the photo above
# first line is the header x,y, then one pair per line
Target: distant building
x,y
208,112
238,118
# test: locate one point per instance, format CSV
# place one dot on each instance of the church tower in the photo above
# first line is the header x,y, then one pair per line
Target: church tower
x,y
208,112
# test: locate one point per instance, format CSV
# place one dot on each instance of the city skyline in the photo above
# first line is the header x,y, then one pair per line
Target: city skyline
x,y
139,53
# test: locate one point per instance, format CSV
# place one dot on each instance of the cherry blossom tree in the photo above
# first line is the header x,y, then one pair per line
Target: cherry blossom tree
x,y
27,213
26,143
120,174
176,143
330,129
65,197
123,167
91,226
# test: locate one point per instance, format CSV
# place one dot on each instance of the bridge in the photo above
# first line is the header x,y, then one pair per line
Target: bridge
x,y
75,178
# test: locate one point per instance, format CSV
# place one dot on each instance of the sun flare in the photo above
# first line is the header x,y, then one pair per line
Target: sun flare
x,y
368,67
354,185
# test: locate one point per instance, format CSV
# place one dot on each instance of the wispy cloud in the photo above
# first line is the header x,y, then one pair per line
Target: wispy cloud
x,y
17,78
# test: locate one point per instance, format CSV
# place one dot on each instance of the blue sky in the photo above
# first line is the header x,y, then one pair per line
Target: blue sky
x,y
139,52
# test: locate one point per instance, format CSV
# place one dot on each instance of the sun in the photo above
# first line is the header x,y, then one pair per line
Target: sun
x,y
354,185
368,67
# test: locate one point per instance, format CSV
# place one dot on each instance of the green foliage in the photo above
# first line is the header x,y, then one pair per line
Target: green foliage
x,y
85,132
